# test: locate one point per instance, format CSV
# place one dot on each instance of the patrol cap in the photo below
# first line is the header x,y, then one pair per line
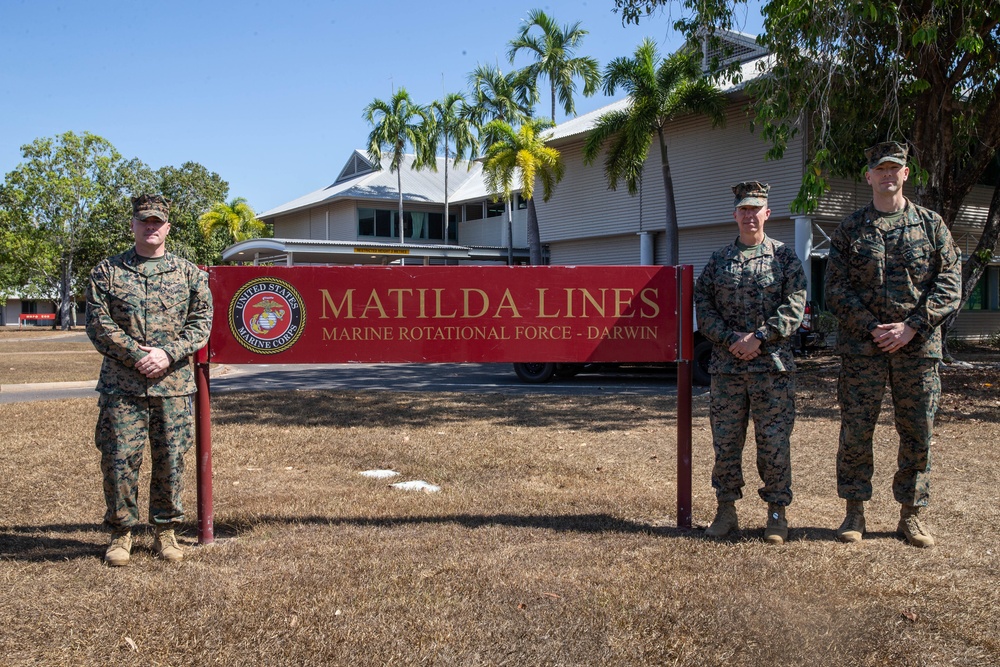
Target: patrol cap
x,y
750,193
887,151
150,206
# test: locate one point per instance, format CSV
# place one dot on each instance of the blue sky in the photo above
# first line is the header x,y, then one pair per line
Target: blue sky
x,y
268,94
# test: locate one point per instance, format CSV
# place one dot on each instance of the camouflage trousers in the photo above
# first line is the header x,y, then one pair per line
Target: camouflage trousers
x,y
769,398
124,425
916,390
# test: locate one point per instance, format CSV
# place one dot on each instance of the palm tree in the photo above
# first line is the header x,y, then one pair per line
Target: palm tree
x,y
660,91
522,155
498,96
396,124
553,51
236,218
449,121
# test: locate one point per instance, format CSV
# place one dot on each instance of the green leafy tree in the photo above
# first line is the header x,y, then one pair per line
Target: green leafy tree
x,y
849,75
659,91
396,124
449,125
497,96
234,221
63,203
554,58
514,160
192,190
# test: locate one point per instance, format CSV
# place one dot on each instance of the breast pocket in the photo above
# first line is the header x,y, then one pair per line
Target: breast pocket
x,y
867,261
125,303
918,259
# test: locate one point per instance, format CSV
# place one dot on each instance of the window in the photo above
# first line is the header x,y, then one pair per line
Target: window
x,y
986,295
522,203
474,211
417,225
494,209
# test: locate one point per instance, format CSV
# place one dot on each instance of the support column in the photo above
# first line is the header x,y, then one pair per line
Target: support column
x,y
289,260
803,249
646,246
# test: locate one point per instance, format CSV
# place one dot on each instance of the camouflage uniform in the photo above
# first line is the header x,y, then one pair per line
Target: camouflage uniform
x,y
164,304
763,289
884,270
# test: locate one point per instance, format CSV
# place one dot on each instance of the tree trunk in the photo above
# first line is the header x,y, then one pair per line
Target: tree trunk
x,y
510,235
446,158
534,235
672,231
66,294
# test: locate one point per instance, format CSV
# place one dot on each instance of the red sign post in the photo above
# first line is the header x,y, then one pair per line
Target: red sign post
x,y
445,314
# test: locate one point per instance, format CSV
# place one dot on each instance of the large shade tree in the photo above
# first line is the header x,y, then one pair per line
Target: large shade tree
x,y
513,161
554,54
849,75
67,202
659,91
192,190
397,123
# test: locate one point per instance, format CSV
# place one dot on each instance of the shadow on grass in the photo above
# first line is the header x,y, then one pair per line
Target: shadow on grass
x,y
37,544
563,523
344,409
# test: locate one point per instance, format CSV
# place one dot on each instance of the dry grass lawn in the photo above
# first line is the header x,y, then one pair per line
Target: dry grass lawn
x,y
39,354
552,541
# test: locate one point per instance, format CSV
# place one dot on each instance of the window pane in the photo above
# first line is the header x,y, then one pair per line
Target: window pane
x,y
977,300
366,222
435,223
494,209
383,223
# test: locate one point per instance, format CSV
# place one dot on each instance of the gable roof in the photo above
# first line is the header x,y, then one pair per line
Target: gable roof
x,y
360,180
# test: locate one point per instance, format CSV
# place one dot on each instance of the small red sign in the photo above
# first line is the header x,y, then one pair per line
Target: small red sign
x,y
432,314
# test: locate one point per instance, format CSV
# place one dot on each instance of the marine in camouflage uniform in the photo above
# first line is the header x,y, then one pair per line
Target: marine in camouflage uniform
x,y
750,299
147,312
893,277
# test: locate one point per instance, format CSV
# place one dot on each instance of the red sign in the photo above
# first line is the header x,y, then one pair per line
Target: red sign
x,y
336,314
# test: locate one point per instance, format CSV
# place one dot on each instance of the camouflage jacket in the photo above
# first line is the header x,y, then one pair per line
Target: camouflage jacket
x,y
880,272
764,292
170,309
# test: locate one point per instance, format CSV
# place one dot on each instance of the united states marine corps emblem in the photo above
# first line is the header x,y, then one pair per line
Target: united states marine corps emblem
x,y
266,315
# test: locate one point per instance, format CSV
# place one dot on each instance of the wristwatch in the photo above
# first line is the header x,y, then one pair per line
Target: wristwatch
x,y
759,335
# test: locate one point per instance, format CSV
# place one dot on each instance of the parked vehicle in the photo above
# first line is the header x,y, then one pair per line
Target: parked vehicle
x,y
805,341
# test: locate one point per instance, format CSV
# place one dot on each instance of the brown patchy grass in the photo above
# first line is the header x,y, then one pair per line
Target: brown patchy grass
x,y
38,354
552,541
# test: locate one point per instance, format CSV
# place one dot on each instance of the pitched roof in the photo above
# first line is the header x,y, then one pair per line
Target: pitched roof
x,y
354,182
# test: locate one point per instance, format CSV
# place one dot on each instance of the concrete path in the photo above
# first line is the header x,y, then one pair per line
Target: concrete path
x,y
474,378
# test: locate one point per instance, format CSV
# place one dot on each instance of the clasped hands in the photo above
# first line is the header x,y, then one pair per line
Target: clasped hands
x,y
891,337
746,346
154,364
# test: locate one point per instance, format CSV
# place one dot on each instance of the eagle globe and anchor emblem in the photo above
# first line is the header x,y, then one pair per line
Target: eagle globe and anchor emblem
x,y
266,315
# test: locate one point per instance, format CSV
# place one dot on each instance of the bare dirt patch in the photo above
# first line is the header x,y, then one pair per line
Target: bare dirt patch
x,y
552,542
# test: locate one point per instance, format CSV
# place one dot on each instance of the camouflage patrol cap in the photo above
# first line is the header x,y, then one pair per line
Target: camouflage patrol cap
x,y
887,151
750,193
150,206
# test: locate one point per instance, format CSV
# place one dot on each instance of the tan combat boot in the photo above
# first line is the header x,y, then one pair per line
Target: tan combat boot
x,y
912,528
853,527
776,531
166,547
725,520
120,549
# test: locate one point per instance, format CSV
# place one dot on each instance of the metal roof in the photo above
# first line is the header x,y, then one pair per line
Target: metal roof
x,y
421,185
